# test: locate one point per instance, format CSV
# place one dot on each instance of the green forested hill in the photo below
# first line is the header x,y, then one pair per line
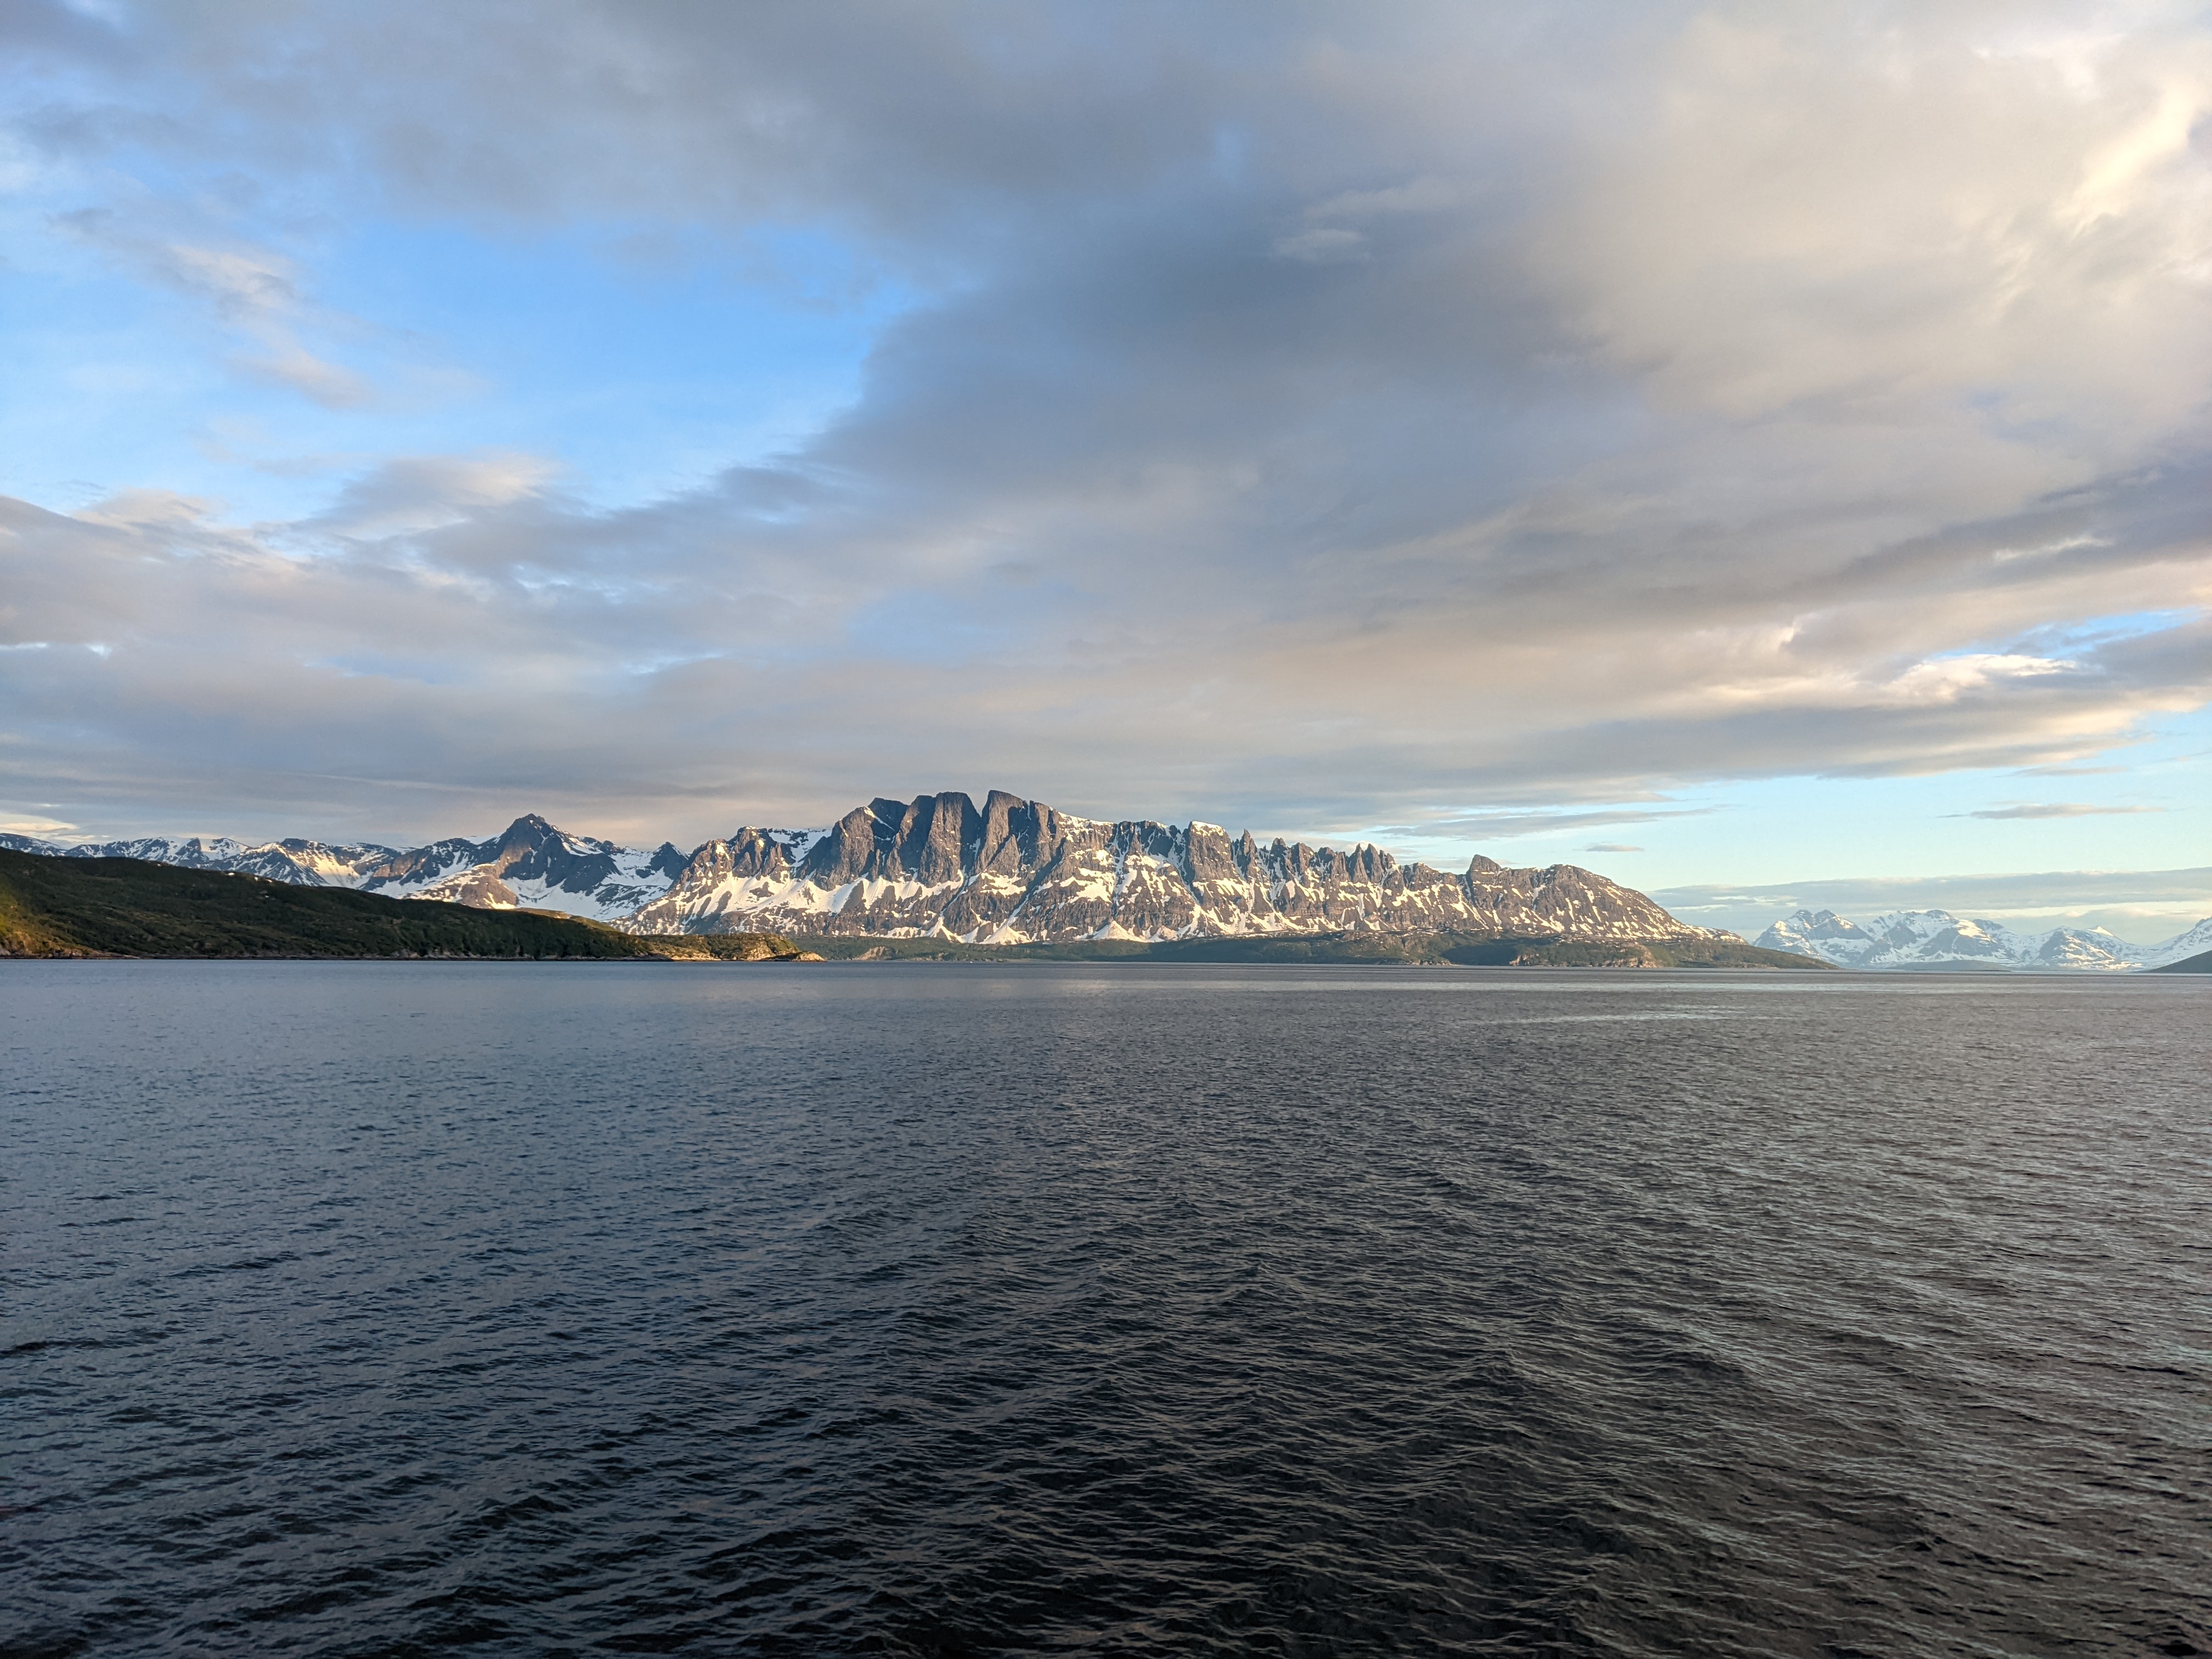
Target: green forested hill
x,y
1409,950
54,907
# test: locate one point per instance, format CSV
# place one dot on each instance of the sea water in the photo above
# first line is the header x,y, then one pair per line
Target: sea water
x,y
390,1309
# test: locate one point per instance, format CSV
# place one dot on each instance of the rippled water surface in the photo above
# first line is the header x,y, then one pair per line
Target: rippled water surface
x,y
383,1308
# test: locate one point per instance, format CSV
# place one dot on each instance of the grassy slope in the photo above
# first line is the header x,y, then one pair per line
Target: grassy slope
x,y
128,907
1421,950
2199,963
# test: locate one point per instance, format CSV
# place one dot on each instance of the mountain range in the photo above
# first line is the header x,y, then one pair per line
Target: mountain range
x,y
1009,871
531,865
1016,871
1938,940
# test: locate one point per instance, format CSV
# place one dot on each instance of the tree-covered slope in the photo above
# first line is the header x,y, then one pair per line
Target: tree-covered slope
x,y
1403,950
53,906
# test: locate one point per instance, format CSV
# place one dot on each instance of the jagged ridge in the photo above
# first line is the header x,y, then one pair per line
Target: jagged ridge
x,y
1020,871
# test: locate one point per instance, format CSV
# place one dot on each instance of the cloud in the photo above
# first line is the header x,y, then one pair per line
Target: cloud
x,y
2056,809
1381,411
1322,245
313,378
411,494
254,290
1611,846
1510,825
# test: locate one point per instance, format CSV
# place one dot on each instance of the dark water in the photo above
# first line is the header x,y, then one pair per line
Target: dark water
x,y
383,1308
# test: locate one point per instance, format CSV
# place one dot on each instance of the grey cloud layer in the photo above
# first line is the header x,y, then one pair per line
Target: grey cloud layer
x,y
1319,415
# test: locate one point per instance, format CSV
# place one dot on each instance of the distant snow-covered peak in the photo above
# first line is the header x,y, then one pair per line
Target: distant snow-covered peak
x,y
1937,938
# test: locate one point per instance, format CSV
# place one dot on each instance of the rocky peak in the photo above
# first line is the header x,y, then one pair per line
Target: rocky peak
x,y
938,837
1018,870
1014,834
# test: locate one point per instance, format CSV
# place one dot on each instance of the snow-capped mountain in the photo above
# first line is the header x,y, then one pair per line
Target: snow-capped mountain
x,y
1012,871
531,865
534,866
2193,942
1936,938
1018,872
302,863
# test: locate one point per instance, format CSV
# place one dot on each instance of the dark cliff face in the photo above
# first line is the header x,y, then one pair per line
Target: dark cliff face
x,y
934,839
1018,870
426,864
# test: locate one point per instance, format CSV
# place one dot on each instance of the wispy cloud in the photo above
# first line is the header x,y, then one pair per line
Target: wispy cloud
x,y
1511,825
2057,810
1611,846
253,289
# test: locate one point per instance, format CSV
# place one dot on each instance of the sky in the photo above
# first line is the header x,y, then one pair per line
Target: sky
x,y
1759,453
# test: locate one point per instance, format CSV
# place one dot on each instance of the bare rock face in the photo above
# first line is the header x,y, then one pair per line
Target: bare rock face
x,y
1018,872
